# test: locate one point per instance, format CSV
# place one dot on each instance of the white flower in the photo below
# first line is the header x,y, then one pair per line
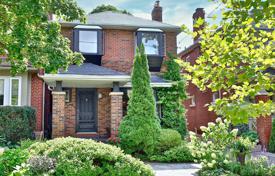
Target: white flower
x,y
211,124
225,161
213,155
234,132
218,120
203,128
210,165
213,162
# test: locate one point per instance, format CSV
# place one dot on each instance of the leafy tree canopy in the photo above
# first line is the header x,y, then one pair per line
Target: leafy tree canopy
x,y
27,37
104,8
235,56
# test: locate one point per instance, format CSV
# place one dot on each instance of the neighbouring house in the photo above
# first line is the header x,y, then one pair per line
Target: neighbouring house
x,y
90,100
197,113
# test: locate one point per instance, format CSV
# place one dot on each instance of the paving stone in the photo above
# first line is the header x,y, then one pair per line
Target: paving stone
x,y
175,169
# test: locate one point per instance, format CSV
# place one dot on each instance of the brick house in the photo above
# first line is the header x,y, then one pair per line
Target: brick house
x,y
90,100
197,113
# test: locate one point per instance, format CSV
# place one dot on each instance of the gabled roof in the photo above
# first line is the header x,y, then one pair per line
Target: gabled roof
x,y
113,20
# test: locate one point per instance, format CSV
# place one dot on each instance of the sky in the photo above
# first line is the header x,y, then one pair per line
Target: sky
x,y
176,12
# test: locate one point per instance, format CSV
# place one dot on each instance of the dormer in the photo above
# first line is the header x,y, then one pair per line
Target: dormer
x,y
154,44
88,40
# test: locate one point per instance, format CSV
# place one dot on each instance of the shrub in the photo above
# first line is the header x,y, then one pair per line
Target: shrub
x,y
252,135
179,153
87,157
41,164
258,167
168,139
16,123
271,146
173,113
140,128
212,148
215,172
11,158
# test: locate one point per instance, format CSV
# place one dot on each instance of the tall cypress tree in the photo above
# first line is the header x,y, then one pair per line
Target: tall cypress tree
x,y
173,112
140,128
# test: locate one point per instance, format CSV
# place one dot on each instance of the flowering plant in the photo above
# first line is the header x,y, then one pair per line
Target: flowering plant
x,y
212,148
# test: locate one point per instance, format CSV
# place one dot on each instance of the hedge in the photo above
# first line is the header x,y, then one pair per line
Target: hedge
x,y
17,123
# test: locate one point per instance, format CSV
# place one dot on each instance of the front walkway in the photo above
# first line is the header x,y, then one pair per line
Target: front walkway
x,y
175,169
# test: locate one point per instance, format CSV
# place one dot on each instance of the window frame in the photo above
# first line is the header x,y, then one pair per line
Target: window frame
x,y
19,91
8,90
100,43
192,101
160,38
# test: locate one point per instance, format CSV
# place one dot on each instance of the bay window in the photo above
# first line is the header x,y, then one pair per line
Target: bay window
x,y
154,46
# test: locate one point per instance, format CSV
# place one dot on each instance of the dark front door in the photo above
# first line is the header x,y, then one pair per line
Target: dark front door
x,y
86,110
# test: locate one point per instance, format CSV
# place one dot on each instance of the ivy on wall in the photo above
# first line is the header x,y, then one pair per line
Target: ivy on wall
x,y
171,99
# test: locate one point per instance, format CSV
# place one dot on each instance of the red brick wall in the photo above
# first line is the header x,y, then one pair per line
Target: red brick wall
x,y
104,112
198,115
37,99
119,50
70,115
68,32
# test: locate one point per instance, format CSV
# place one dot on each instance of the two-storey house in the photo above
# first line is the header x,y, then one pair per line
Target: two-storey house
x,y
90,100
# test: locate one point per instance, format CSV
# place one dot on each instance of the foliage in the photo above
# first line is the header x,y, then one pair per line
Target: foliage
x,y
27,37
41,164
140,128
173,113
168,139
10,159
212,148
271,147
243,145
86,157
16,123
179,153
252,135
215,172
235,57
104,8
255,167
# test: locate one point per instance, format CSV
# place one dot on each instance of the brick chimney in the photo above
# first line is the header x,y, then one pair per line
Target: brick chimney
x,y
157,12
199,13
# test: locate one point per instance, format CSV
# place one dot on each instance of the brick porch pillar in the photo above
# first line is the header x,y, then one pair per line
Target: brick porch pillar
x,y
264,123
116,113
58,114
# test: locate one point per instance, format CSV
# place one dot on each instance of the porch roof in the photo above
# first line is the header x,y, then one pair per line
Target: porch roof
x,y
90,75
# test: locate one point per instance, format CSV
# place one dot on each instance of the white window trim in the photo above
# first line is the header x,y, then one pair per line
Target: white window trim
x,y
193,101
7,90
19,90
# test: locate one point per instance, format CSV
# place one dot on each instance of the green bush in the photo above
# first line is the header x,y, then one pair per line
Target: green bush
x,y
86,157
252,135
16,123
173,113
14,157
140,128
271,147
11,158
216,172
257,167
168,139
179,153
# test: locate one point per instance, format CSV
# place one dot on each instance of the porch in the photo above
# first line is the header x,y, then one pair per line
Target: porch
x,y
89,101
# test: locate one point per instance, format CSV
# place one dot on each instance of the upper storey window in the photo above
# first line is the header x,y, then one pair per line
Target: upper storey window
x,y
88,40
153,41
